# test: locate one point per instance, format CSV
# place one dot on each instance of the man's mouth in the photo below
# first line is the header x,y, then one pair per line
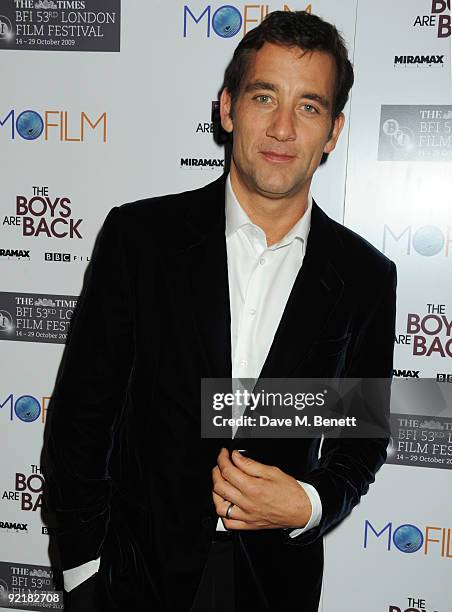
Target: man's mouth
x,y
273,156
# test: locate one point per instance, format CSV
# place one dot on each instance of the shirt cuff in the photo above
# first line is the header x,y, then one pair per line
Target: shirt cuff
x,y
76,575
316,513
220,525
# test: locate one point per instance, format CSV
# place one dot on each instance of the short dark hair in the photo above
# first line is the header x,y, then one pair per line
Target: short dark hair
x,y
293,29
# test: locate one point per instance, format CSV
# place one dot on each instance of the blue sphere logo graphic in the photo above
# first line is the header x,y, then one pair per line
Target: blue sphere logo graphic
x,y
30,125
428,240
27,408
408,538
227,21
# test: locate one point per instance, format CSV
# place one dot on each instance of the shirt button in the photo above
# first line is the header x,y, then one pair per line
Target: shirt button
x,y
262,261
244,362
252,311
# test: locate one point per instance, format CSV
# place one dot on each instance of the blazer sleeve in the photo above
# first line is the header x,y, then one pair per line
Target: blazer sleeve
x,y
87,400
348,466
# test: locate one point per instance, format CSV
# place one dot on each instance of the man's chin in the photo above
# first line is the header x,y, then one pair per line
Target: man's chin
x,y
276,191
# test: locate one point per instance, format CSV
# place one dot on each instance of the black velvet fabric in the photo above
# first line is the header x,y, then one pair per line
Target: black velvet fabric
x,y
127,474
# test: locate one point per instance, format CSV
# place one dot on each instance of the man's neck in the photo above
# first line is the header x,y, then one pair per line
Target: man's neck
x,y
275,217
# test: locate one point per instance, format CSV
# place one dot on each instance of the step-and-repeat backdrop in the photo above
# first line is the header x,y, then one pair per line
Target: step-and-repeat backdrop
x,y
103,103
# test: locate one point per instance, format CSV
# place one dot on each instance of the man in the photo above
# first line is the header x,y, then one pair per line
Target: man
x,y
248,278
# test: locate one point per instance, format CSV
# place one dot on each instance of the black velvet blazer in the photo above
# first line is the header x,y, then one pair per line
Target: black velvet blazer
x,y
127,472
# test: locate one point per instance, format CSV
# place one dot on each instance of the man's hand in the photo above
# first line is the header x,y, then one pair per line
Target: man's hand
x,y
264,496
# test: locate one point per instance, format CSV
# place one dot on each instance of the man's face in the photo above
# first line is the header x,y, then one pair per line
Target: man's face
x,y
281,120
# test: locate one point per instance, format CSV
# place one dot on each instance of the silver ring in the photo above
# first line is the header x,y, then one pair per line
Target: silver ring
x,y
228,511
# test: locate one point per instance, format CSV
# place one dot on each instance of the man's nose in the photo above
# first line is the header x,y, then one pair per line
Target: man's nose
x,y
282,125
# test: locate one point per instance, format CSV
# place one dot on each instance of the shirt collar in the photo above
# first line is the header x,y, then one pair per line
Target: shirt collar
x,y
237,218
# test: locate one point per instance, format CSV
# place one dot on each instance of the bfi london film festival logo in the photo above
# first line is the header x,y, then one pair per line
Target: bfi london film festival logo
x,y
227,21
6,30
438,18
415,133
41,214
53,126
28,317
60,25
27,586
420,440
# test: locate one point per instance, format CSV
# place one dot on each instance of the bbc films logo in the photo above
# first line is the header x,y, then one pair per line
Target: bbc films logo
x,y
60,25
30,317
415,133
65,258
40,214
443,377
438,18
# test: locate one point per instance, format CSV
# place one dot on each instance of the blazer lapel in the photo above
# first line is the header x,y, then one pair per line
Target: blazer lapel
x,y
315,293
207,277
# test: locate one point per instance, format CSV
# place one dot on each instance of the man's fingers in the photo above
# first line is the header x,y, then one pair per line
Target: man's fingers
x,y
238,518
232,473
251,466
236,513
227,491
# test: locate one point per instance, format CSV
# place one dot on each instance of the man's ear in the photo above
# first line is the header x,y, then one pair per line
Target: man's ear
x,y
225,111
334,134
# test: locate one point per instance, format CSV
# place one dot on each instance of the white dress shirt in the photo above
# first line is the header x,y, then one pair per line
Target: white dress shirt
x,y
260,281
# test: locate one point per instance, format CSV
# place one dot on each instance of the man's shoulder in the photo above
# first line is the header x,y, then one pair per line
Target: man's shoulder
x,y
169,208
356,254
356,245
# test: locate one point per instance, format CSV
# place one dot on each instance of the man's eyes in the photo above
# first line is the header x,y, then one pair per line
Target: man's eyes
x,y
263,98
266,99
311,109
